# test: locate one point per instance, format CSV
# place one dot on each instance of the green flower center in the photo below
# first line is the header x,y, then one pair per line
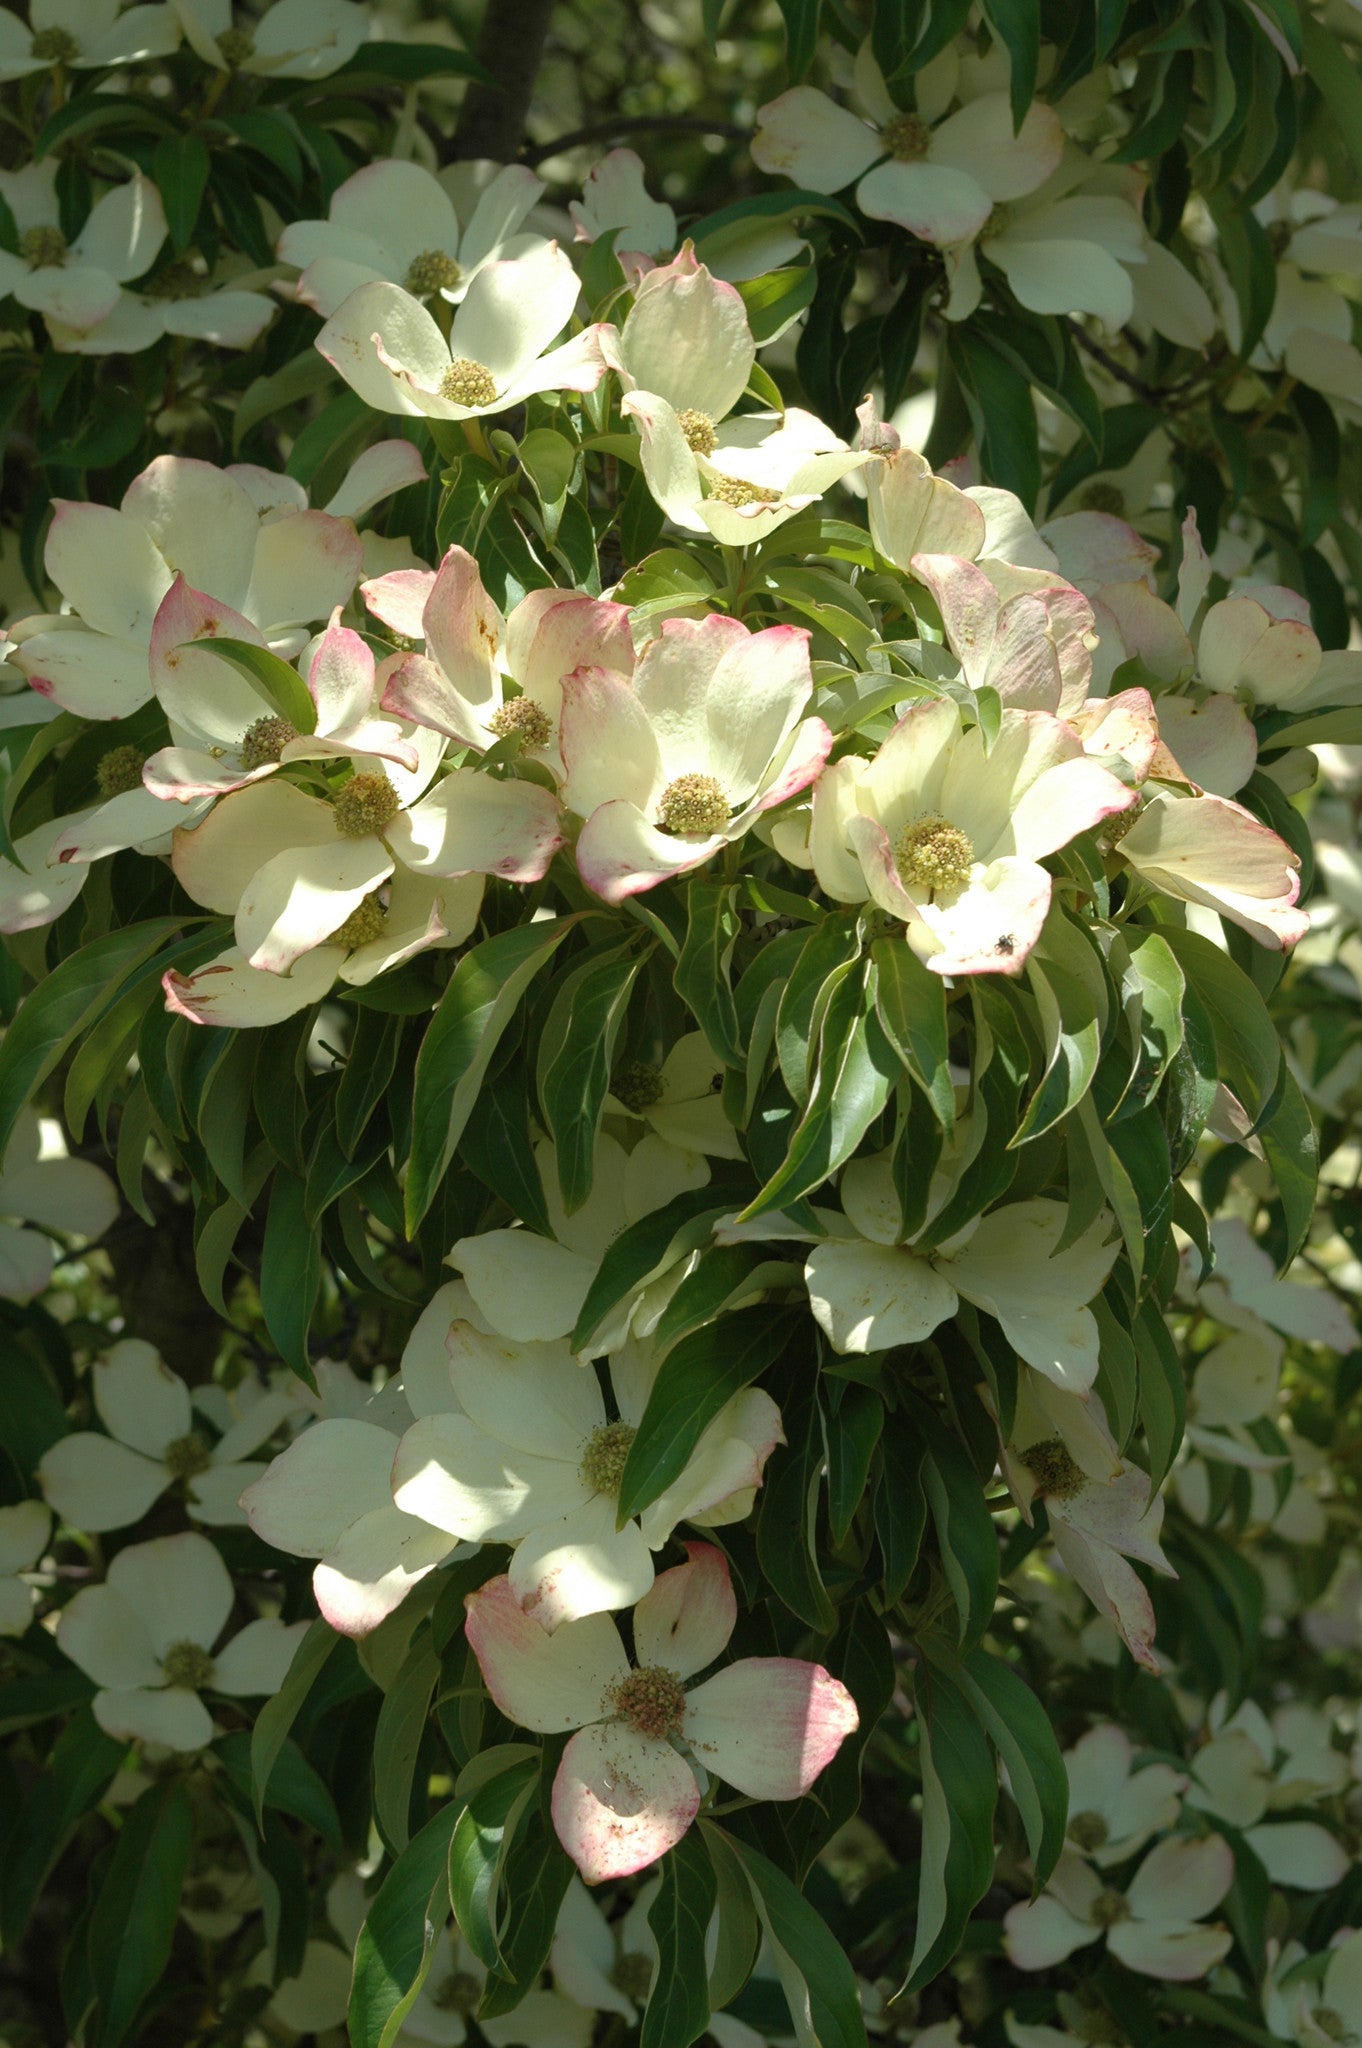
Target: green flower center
x,y
1054,1469
1102,496
1109,1909
265,741
54,46
432,271
205,1897
468,383
365,923
1115,828
932,854
366,804
187,1665
652,1700
633,1975
605,1457
43,248
698,429
529,722
235,46
1331,2024
119,771
731,490
1089,1830
187,1456
693,805
460,1993
638,1086
176,281
907,138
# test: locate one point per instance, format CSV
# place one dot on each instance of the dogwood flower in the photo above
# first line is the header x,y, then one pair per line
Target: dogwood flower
x,y
708,737
24,1530
329,1495
1152,1926
179,299
292,39
1113,1807
680,1099
870,1292
394,221
77,283
759,471
1327,2010
940,181
279,567
96,1482
624,1792
146,1638
531,1459
452,1991
616,201
1244,1292
608,1966
458,685
949,837
39,1184
386,345
83,34
1210,850
1232,1781
1029,639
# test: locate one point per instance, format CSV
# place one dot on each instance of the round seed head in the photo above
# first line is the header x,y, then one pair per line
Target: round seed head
x,y
364,924
460,1993
731,490
932,854
1109,1909
235,45
698,429
1103,496
1089,1830
694,806
54,46
119,771
366,804
605,1457
907,138
187,1456
521,715
175,281
468,383
638,1086
633,1975
1057,1474
43,248
432,271
265,741
188,1665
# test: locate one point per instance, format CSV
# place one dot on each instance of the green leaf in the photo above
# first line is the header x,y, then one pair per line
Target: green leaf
x,y
577,1056
534,1879
1020,1730
1333,71
801,19
134,1916
910,1002
180,168
397,1941
478,1851
267,396
819,1983
1002,414
1157,1026
1248,1050
290,1272
483,994
833,943
277,1716
646,1249
1163,1392
787,1525
959,1793
695,1379
677,2012
77,1772
397,1739
1016,25
1288,1138
701,977
497,1144
280,685
965,1530
405,64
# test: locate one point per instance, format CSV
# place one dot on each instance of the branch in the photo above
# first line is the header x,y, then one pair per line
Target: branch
x,y
1112,367
632,124
510,46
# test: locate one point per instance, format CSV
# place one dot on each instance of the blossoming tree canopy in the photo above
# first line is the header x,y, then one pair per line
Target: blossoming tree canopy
x,y
680,1092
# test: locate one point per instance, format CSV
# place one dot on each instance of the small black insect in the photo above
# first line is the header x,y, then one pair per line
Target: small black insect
x,y
1005,946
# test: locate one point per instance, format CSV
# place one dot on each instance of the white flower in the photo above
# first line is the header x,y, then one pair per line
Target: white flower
x,y
393,221
24,1530
107,1482
38,1184
1322,2013
606,1966
179,299
450,1996
1232,1781
870,1292
77,283
949,837
1210,850
940,182
680,1099
616,201
623,1794
668,770
146,1638
530,1458
391,351
1022,632
1152,1927
292,39
1113,1807
317,1998
83,34
1245,1280
763,467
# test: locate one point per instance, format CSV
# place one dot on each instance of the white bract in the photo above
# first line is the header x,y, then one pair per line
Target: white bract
x,y
615,201
623,1792
77,283
397,223
670,769
1153,1926
680,1100
146,1637
24,1530
180,299
949,836
532,1459
38,1184
1114,1807
96,1482
83,34
499,351
292,39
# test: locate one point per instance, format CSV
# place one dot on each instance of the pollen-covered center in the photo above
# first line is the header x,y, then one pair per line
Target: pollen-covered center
x,y
933,854
119,771
468,383
265,741
633,1975
54,46
366,804
460,1993
731,490
652,1700
235,45
1103,496
176,281
1109,1909
605,1456
1089,1830
1054,1469
522,716
188,1665
43,248
698,430
432,271
638,1086
907,138
365,923
187,1456
1115,828
693,805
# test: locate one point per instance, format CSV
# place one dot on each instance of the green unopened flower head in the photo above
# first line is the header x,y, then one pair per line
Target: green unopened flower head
x,y
605,1457
1109,1909
235,45
1057,1473
188,1665
693,805
265,741
652,1700
1104,496
638,1086
366,804
54,46
119,771
907,138
933,854
43,248
365,923
698,429
432,271
1089,1830
468,383
522,716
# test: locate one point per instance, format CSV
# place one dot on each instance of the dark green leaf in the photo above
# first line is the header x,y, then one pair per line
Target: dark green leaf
x,y
133,1919
576,1057
180,168
397,1941
677,2012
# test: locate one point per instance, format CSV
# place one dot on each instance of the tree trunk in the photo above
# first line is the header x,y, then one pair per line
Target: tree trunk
x,y
510,46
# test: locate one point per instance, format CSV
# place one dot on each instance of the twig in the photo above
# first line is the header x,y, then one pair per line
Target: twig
x,y
1111,366
632,124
